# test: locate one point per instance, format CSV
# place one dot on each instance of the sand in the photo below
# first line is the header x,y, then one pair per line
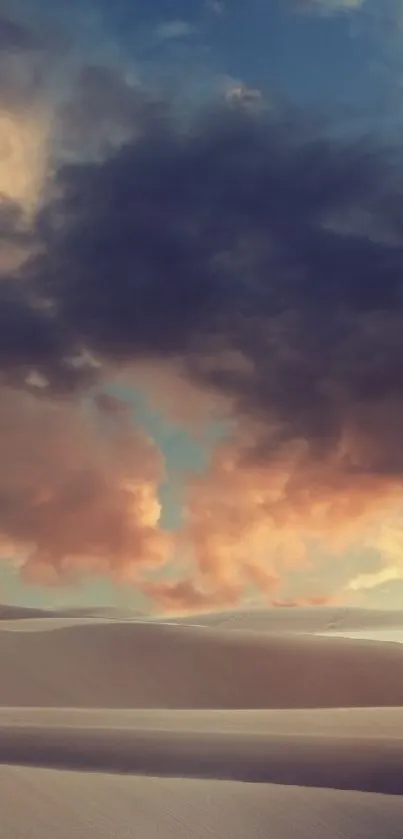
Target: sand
x,y
241,725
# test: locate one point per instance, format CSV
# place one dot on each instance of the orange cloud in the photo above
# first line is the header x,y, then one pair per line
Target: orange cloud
x,y
76,499
25,126
186,597
79,494
252,520
314,600
23,155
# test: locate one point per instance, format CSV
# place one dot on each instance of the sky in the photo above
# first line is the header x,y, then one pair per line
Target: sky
x,y
201,303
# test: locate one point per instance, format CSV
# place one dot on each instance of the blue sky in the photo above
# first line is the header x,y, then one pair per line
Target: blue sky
x,y
315,58
348,56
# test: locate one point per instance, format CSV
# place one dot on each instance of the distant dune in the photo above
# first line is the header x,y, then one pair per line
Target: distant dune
x,y
284,731
18,613
300,619
273,619
13,613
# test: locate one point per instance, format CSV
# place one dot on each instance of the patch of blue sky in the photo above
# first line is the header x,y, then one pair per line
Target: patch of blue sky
x,y
183,451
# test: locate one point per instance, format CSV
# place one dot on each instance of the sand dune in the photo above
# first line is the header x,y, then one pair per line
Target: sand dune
x,y
280,728
124,665
300,619
69,805
280,619
371,763
24,613
342,722
355,749
13,613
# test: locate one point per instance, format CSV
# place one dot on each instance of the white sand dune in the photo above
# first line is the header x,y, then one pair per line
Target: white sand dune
x,y
279,619
37,804
246,726
343,722
367,763
14,613
24,614
124,665
300,619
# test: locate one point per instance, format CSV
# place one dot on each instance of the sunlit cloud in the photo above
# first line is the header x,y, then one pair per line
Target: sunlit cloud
x,y
368,581
78,491
23,156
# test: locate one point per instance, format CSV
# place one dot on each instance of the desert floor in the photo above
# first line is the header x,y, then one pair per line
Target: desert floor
x,y
260,724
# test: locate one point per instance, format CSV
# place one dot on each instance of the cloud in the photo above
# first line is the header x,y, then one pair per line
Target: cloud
x,y
253,263
173,30
371,580
16,36
327,7
319,600
22,156
265,261
78,492
258,521
104,109
184,597
215,7
25,118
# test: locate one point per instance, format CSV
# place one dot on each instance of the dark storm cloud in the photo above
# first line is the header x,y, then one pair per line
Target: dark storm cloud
x,y
23,337
11,222
241,234
33,347
104,110
16,36
32,338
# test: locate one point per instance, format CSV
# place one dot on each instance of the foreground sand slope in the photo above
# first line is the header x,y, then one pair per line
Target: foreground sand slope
x,y
70,805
